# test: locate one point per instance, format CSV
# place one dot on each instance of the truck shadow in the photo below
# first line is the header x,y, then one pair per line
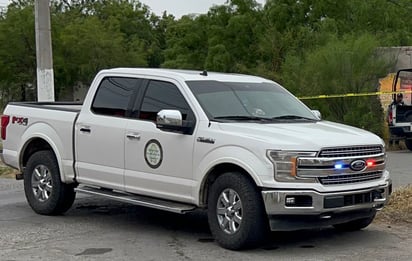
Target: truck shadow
x,y
194,226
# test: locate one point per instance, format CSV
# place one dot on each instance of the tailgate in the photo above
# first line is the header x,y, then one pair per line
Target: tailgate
x,y
403,113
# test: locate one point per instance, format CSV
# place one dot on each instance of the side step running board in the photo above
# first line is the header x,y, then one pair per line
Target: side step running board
x,y
144,201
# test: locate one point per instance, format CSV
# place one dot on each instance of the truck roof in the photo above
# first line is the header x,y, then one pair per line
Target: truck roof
x,y
187,75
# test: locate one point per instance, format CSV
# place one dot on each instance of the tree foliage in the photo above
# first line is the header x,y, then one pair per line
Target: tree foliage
x,y
348,65
310,46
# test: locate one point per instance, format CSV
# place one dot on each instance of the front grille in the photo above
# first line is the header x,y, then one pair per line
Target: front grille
x,y
350,151
350,178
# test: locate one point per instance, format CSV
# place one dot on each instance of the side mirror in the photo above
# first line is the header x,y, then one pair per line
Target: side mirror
x,y
317,114
169,118
172,120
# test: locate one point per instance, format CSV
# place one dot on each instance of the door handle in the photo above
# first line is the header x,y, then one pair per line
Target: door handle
x,y
133,136
85,129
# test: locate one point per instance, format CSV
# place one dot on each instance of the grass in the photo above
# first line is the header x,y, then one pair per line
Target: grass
x,y
6,172
399,208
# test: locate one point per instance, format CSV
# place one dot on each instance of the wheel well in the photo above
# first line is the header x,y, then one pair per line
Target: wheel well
x,y
213,174
33,146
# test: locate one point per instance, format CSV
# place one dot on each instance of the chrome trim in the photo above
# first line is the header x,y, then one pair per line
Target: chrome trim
x,y
323,162
275,201
310,167
351,178
330,171
363,150
324,169
169,118
321,173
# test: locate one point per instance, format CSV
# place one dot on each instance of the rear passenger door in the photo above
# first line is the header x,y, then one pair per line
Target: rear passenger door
x,y
100,133
159,163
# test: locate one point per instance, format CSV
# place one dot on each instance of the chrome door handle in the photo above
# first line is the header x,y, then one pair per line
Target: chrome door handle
x,y
133,136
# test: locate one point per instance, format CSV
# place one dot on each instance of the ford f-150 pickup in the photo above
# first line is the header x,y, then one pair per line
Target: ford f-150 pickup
x,y
240,146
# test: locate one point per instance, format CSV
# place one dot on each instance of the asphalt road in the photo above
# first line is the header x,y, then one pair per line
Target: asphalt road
x,y
400,167
96,229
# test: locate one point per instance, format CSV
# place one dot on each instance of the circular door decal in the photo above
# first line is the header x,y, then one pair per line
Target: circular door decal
x,y
153,154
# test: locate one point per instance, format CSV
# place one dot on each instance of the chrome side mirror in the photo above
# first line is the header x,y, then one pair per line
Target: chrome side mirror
x,y
317,114
171,118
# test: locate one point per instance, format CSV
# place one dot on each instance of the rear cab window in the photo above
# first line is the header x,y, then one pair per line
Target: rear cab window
x,y
114,96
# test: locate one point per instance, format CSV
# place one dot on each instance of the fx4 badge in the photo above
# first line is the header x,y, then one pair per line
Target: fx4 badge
x,y
19,120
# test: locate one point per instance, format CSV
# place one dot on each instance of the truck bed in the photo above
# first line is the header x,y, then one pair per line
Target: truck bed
x,y
53,121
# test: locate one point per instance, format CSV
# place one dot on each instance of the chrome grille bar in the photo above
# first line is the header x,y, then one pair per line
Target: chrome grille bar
x,y
323,167
353,178
350,151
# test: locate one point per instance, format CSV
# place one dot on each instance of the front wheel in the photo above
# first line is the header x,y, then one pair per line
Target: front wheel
x,y
354,225
237,218
45,192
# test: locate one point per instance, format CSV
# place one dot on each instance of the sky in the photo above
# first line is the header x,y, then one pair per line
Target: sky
x,y
175,7
182,7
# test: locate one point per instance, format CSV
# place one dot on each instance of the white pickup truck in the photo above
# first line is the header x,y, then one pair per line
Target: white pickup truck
x,y
240,146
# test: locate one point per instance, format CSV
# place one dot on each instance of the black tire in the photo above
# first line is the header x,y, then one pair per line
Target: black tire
x,y
355,225
50,196
253,227
408,144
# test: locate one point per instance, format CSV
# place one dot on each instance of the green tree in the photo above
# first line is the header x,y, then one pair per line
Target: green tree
x,y
17,51
311,46
91,36
351,64
186,41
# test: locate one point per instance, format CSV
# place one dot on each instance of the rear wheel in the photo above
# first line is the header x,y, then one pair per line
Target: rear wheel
x,y
408,144
45,192
237,218
354,225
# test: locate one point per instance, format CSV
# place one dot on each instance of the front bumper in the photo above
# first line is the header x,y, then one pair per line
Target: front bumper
x,y
298,209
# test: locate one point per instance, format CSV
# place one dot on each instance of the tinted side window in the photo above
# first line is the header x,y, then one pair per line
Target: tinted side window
x,y
163,95
113,96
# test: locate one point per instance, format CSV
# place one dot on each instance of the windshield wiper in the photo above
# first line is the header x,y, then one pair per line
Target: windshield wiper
x,y
293,117
241,118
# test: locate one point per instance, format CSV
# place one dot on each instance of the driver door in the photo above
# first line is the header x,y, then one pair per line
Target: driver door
x,y
159,163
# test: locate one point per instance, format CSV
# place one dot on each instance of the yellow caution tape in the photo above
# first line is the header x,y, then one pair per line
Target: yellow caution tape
x,y
327,96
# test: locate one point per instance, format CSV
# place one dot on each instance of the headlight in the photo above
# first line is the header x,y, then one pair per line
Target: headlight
x,y
285,164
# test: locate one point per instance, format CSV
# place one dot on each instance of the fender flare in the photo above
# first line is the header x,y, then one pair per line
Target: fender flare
x,y
254,166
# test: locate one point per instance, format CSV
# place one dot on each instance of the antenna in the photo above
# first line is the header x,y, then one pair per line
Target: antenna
x,y
204,73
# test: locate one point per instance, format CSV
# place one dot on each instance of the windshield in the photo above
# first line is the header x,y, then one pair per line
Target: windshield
x,y
240,101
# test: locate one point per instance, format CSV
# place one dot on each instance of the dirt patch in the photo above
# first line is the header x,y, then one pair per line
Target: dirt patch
x,y
396,146
399,208
7,172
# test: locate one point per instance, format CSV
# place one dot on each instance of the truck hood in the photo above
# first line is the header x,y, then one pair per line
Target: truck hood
x,y
303,136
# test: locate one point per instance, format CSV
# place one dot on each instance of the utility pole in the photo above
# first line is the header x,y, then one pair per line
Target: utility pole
x,y
44,57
